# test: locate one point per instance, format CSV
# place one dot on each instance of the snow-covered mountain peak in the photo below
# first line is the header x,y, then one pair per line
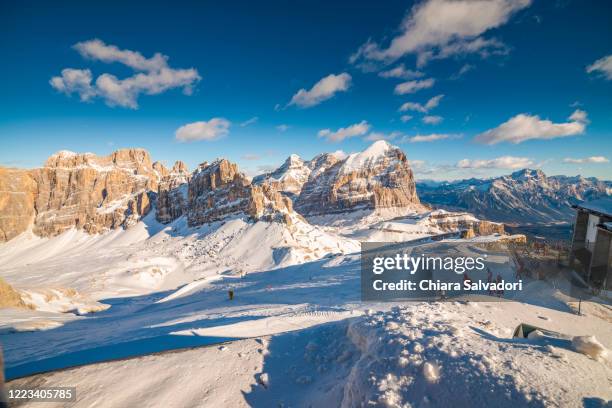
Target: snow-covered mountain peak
x,y
528,174
374,155
525,196
294,160
289,177
64,153
377,178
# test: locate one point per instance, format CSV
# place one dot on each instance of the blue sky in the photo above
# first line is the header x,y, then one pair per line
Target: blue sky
x,y
511,73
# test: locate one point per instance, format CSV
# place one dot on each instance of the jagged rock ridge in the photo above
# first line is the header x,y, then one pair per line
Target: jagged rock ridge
x,y
78,190
377,178
172,198
289,177
218,189
525,196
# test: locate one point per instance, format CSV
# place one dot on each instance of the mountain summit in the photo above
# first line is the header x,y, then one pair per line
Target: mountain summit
x,y
377,178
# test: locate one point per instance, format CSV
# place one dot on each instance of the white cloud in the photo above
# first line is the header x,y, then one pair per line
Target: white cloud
x,y
417,107
250,121
524,127
125,92
153,76
592,159
210,130
431,138
412,106
323,90
433,102
416,164
401,72
358,129
283,128
602,66
413,86
75,81
440,28
579,116
405,118
462,71
374,136
97,50
432,119
483,47
504,162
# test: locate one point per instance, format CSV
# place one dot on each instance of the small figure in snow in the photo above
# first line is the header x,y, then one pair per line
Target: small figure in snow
x,y
489,280
230,294
466,278
500,292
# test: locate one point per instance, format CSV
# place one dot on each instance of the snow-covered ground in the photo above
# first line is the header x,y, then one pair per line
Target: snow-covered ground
x,y
296,332
73,271
412,355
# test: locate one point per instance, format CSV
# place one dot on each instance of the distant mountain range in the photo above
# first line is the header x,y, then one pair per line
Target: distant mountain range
x,y
101,193
523,197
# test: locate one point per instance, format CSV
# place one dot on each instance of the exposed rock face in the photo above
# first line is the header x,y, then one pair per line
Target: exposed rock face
x,y
217,190
451,221
78,190
9,297
17,196
288,178
172,195
379,177
93,193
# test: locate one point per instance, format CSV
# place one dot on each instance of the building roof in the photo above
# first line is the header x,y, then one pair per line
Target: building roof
x,y
606,226
601,206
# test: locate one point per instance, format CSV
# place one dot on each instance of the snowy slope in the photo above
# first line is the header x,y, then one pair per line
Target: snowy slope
x,y
411,355
418,354
370,158
73,271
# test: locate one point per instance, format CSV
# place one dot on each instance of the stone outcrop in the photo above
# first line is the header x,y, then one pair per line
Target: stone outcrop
x,y
172,198
289,177
379,177
93,193
218,189
9,297
453,221
18,191
78,190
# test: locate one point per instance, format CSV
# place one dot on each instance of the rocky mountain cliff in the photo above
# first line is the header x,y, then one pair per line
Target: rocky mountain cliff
x,y
289,177
18,190
525,196
78,190
97,194
93,193
218,189
172,193
377,178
